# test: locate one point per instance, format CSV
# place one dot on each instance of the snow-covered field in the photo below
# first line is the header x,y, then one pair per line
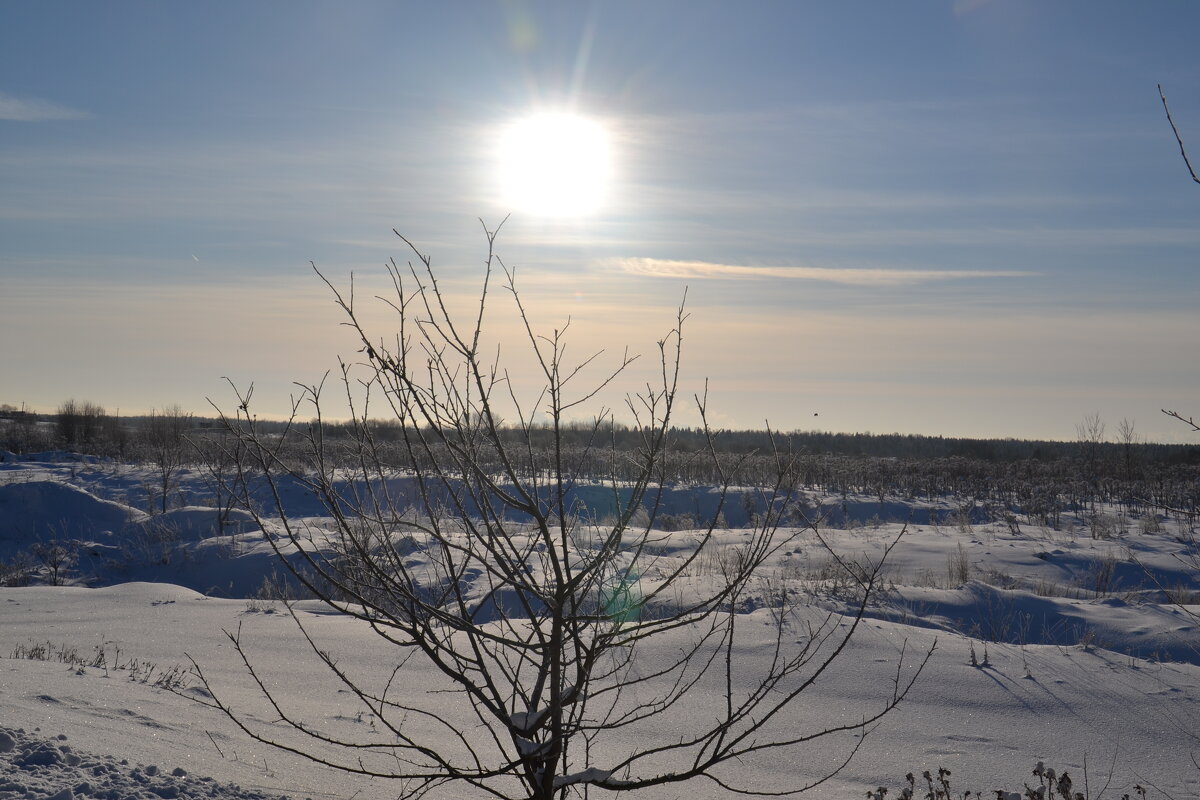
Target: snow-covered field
x,y
1060,646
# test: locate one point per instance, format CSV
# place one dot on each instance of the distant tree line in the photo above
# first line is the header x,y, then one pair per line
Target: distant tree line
x,y
1039,478
888,445
86,428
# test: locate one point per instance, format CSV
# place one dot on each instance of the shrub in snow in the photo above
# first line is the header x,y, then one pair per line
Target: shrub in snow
x,y
17,570
1051,785
102,658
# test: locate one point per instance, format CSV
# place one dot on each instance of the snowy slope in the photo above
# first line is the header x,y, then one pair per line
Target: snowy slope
x,y
1057,646
987,724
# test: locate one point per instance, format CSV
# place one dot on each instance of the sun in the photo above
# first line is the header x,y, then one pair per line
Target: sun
x,y
555,164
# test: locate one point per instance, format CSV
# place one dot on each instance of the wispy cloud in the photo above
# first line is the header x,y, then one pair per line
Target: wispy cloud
x,y
703,270
31,109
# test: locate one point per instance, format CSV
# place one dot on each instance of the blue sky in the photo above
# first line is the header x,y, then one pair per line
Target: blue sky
x,y
960,218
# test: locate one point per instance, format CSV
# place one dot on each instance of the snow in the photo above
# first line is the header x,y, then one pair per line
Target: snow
x,y
33,766
1066,674
194,523
42,510
590,775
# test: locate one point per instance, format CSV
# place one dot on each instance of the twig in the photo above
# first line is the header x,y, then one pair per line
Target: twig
x,y
1178,138
1185,420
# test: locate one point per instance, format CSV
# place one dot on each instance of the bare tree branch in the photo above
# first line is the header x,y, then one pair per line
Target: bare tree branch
x,y
1185,420
1178,138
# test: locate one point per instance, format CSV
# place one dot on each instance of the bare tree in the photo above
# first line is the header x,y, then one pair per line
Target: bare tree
x,y
1090,435
571,628
1127,437
166,447
217,459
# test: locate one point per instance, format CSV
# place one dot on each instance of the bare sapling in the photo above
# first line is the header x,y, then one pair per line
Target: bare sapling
x,y
571,630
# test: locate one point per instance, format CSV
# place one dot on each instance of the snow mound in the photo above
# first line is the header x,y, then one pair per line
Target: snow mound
x,y
150,594
977,610
44,510
51,769
219,566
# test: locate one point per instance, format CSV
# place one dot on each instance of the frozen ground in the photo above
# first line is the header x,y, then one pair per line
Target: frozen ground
x,y
1086,658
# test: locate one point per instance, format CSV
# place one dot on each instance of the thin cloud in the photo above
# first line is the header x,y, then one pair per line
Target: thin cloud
x,y
703,270
19,109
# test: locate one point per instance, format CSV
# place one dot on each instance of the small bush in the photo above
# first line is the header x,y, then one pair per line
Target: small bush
x,y
1150,523
675,522
155,542
1101,575
1051,785
1105,526
1049,588
138,670
1182,595
958,566
57,557
17,572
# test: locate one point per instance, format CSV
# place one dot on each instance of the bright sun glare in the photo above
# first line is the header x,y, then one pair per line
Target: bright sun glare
x,y
555,164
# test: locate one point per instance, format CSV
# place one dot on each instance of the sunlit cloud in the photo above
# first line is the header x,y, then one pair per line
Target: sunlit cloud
x,y
703,270
25,109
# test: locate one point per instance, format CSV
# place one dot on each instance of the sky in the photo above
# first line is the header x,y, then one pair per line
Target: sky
x,y
952,217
